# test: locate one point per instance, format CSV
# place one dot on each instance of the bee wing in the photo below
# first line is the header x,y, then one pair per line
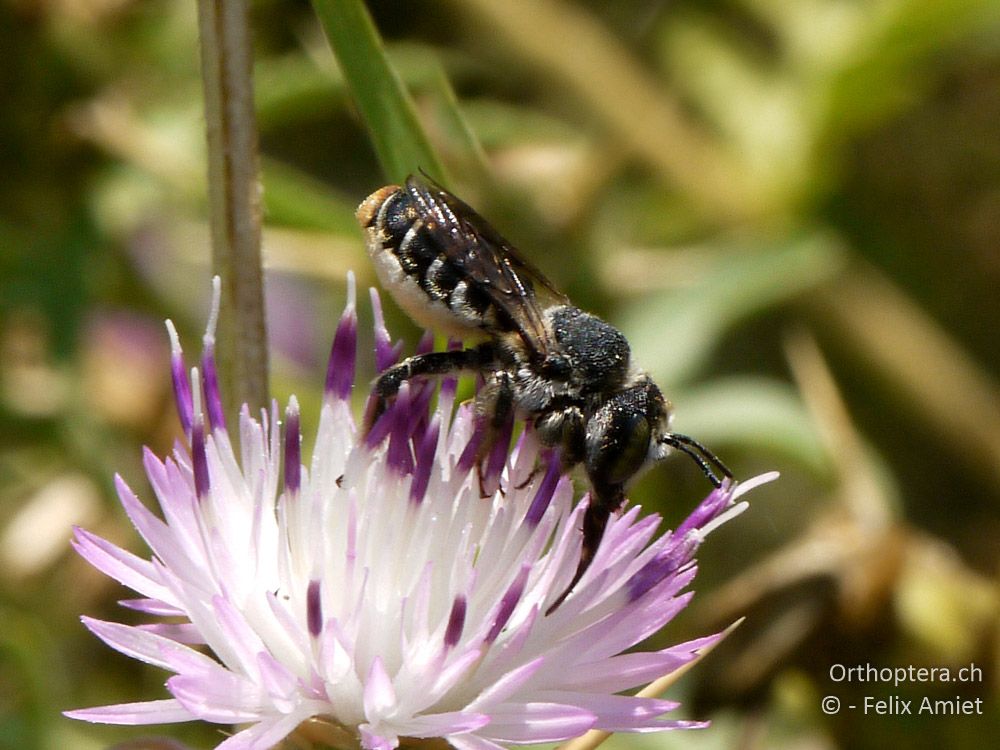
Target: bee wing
x,y
486,259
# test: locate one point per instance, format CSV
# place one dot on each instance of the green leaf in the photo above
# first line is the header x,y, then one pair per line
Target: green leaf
x,y
383,102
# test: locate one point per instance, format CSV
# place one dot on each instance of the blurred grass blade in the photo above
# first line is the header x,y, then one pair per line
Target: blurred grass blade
x,y
568,45
860,483
892,65
761,412
294,88
675,332
457,131
926,369
400,142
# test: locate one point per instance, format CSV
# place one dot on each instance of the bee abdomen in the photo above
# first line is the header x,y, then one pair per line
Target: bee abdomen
x,y
428,285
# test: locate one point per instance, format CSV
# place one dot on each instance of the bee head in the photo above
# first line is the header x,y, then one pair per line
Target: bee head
x,y
630,432
623,436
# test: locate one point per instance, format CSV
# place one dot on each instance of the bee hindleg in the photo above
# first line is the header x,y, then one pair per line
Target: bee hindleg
x,y
432,364
495,403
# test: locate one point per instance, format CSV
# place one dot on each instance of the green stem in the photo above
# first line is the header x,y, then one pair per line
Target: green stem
x,y
234,200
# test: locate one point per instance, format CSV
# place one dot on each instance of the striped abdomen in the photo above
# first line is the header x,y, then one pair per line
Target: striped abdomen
x,y
414,268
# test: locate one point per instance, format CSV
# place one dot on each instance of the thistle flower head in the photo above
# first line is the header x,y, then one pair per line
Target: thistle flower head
x,y
371,592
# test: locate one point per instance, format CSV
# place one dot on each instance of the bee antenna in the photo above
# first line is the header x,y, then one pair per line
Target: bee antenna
x,y
701,455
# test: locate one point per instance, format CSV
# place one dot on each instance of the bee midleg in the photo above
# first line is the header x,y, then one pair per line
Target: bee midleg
x,y
424,365
564,428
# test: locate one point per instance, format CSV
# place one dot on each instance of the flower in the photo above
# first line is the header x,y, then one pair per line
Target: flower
x,y
376,594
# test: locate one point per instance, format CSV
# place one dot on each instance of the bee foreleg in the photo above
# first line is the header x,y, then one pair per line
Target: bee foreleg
x,y
594,522
432,364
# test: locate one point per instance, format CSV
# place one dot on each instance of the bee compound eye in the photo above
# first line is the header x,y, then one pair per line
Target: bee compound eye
x,y
617,445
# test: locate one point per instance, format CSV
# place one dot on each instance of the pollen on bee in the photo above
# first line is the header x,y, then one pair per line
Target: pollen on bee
x,y
369,207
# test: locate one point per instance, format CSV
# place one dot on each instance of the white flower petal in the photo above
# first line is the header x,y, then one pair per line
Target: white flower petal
x,y
538,722
380,697
267,733
149,647
167,711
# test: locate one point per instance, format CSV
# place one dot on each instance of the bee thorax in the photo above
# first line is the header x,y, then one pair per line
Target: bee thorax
x,y
593,353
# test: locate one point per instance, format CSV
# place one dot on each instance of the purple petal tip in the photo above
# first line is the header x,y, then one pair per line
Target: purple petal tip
x,y
456,622
399,457
293,448
314,609
497,457
343,353
182,386
199,459
507,603
385,353
426,343
709,508
471,453
210,376
665,564
210,387
546,489
426,455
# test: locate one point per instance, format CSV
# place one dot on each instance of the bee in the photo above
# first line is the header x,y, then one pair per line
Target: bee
x,y
566,373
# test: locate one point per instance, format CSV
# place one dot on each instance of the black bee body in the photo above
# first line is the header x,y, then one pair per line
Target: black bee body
x,y
567,372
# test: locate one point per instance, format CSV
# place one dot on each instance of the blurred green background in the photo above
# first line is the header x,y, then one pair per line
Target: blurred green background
x,y
791,208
